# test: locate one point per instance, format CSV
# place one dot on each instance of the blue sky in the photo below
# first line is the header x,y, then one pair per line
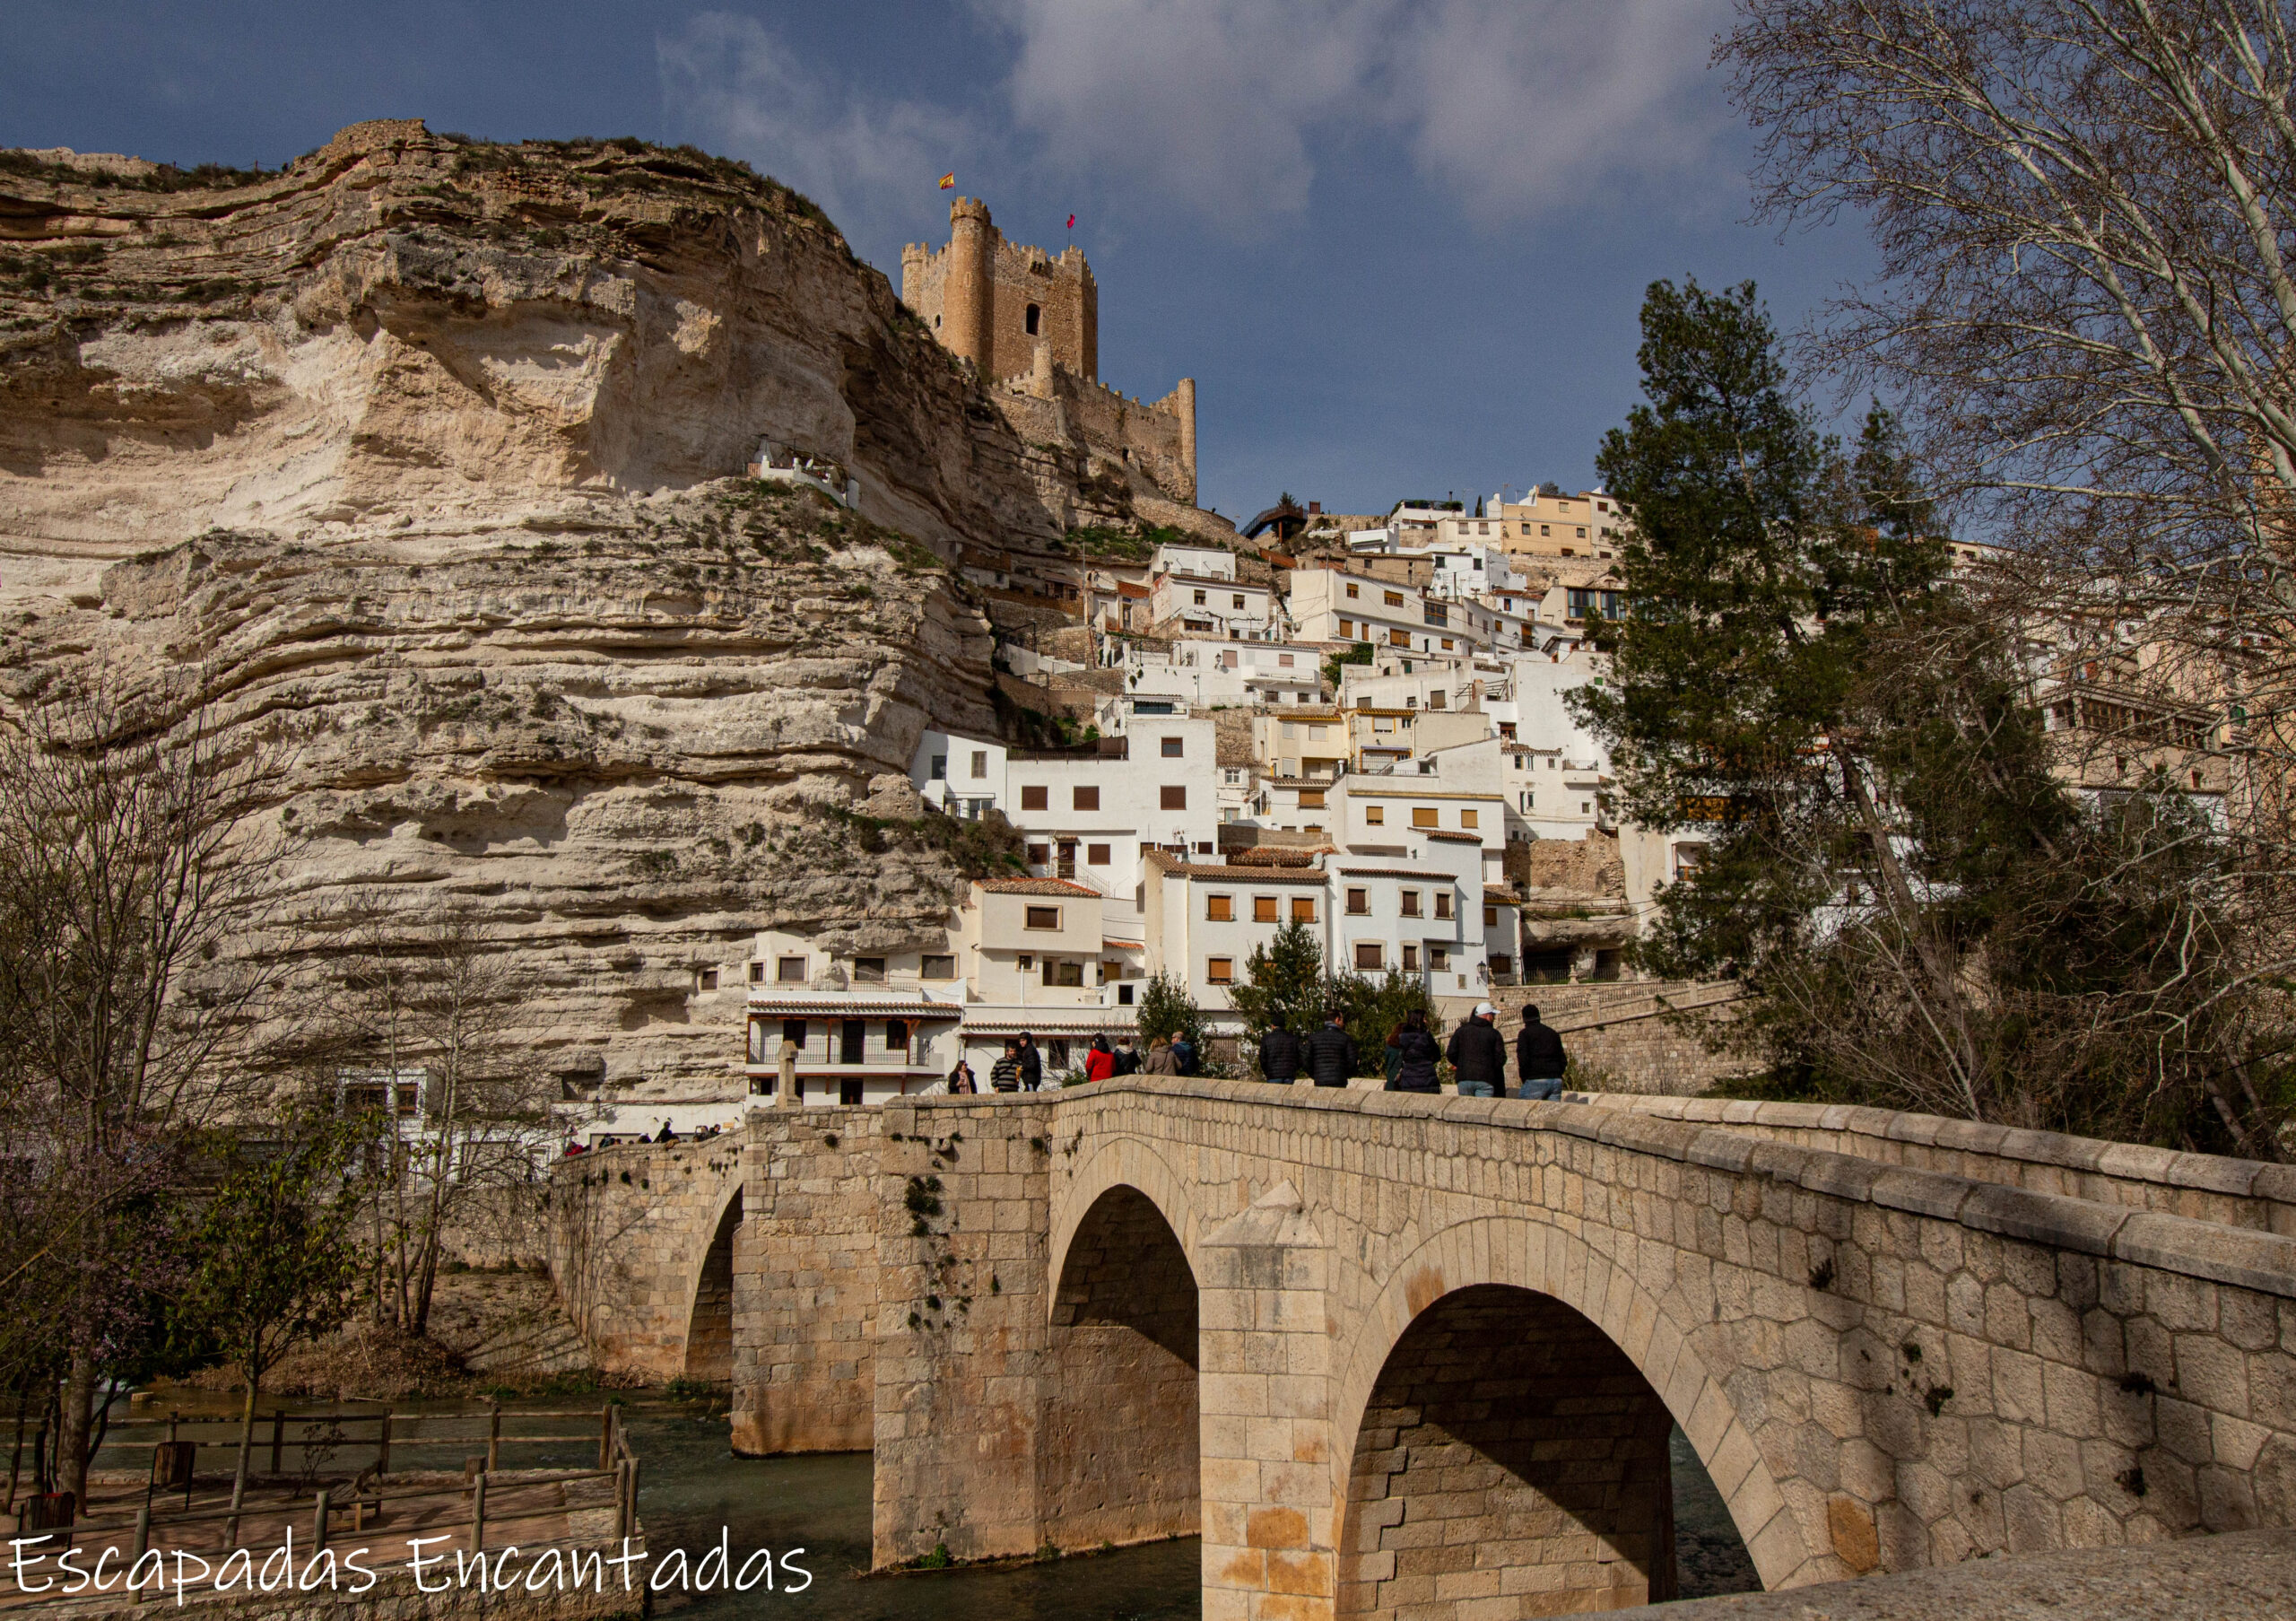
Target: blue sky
x,y
1400,244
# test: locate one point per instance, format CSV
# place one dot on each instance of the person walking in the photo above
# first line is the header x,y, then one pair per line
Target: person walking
x,y
1127,1056
1100,1060
1031,1063
1004,1074
1279,1056
1330,1052
1160,1060
1478,1055
1539,1060
1415,1054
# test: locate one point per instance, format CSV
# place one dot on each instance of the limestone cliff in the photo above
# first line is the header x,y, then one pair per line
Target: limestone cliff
x,y
410,462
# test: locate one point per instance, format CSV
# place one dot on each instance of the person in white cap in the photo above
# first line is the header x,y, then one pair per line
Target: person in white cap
x,y
1478,1054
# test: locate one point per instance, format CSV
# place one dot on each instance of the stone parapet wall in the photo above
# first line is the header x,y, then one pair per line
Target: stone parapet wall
x,y
2204,1187
1619,1036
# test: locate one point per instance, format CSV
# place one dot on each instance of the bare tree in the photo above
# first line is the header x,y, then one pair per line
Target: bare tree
x,y
431,1014
133,865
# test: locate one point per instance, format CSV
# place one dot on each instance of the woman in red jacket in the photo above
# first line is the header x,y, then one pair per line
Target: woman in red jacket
x,y
1099,1061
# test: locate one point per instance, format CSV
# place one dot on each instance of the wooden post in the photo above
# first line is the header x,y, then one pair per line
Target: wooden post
x,y
142,1546
632,1461
606,1435
319,1519
278,1436
493,1436
478,1512
621,1500
383,1448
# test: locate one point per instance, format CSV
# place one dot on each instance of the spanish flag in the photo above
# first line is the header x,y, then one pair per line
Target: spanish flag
x,y
949,181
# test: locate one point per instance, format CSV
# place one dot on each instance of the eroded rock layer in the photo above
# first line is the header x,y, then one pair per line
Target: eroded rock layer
x,y
413,465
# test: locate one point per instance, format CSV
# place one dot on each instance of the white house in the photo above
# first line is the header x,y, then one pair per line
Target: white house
x,y
962,776
1206,562
1206,605
1204,918
868,1027
1207,674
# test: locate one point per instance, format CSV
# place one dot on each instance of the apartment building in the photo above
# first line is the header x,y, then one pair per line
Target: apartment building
x,y
1549,523
1330,605
1204,919
868,1026
1205,673
1301,743
1185,606
1041,961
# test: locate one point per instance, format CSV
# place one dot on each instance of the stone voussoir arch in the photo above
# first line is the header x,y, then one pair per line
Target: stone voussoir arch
x,y
1124,1161
1523,1252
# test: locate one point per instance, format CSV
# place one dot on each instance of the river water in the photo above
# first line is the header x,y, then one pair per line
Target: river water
x,y
812,1513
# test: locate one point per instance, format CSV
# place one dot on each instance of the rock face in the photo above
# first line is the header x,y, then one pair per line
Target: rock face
x,y
415,464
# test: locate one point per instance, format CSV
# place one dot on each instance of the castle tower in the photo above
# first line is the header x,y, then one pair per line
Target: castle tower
x,y
993,302
968,285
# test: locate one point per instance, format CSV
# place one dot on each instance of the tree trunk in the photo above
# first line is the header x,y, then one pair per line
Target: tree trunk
x,y
71,1426
16,1458
247,1448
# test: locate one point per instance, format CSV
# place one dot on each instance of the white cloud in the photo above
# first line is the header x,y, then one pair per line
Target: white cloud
x,y
728,85
1517,106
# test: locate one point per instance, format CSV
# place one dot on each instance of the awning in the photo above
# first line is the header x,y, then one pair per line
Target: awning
x,y
1087,1021
854,1008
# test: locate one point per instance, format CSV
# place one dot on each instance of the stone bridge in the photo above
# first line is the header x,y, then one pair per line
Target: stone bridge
x,y
1394,1354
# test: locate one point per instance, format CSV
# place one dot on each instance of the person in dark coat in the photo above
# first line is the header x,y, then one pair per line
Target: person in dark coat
x,y
1478,1055
1183,1054
1031,1063
1415,1053
1279,1056
1128,1058
1329,1053
1539,1058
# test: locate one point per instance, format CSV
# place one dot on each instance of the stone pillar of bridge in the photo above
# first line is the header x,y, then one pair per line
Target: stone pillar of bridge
x,y
1265,1397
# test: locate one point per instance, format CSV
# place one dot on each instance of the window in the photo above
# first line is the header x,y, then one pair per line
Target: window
x,y
1237,600
1219,908
1040,855
980,763
1172,747
1359,902
1435,700
1283,661
1424,815
1398,639
1438,957
1468,818
1303,908
1035,796
1352,591
1367,956
1347,629
1410,902
1311,799
1264,909
1096,855
1084,798
790,970
1043,917
793,1031
896,1035
1411,959
1290,728
1437,704
1490,916
1064,972
848,1090
1171,797
1502,963
1394,599
1375,815
937,968
1220,970
940,768
1437,615
1442,903
757,1041
1035,316
869,971
757,974
1200,600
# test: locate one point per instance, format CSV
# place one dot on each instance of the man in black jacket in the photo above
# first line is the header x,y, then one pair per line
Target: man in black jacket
x,y
1279,1056
1031,1063
1539,1058
1478,1055
1330,1052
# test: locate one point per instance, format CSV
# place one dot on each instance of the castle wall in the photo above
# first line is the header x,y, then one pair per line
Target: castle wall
x,y
975,294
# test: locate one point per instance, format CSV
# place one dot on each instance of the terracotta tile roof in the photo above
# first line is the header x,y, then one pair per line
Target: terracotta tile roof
x,y
1035,886
1163,862
1449,837
833,1002
1493,895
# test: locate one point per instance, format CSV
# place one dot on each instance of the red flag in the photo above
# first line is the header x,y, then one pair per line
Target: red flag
x,y
949,181
1072,221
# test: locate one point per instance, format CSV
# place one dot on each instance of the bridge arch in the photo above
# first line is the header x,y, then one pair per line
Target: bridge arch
x,y
1124,1161
710,1314
1480,1280
1118,1456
